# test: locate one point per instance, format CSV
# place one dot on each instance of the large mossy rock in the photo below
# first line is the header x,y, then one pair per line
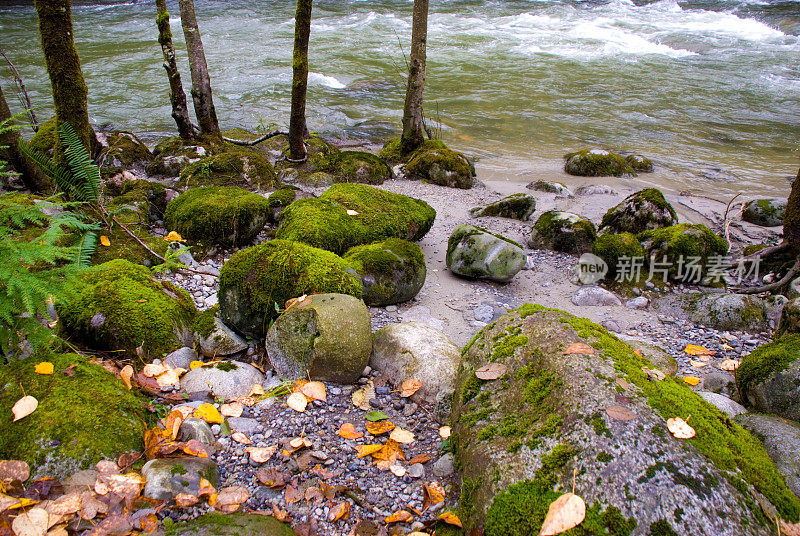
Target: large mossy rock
x,y
45,138
765,212
172,155
732,312
790,317
781,439
325,222
148,197
391,150
227,216
325,337
614,247
478,253
596,163
392,271
444,167
769,378
120,306
515,206
256,280
81,418
124,150
686,242
354,166
563,231
644,210
245,168
559,419
169,477
237,524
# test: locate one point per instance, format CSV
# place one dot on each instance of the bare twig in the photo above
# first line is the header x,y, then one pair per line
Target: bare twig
x,y
23,91
727,223
772,286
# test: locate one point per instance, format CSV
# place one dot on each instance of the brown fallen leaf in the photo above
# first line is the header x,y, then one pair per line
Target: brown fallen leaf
x,y
279,514
66,504
14,470
31,523
229,498
241,438
113,525
579,348
492,371
566,512
182,500
348,431
149,523
654,374
261,454
271,477
419,458
125,375
313,494
409,387
361,397
341,511
292,494
432,494
620,413
315,391
730,364
380,427
297,401
194,447
24,407
680,428
401,516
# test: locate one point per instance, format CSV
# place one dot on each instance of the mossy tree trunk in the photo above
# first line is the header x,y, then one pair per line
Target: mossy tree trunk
x,y
297,119
177,97
64,68
413,127
201,83
791,219
34,179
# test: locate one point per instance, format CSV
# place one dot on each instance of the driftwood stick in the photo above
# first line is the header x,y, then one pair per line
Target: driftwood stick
x,y
23,90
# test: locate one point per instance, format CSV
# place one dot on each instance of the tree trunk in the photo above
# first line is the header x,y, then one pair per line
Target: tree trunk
x,y
201,83
791,219
177,97
34,179
297,119
413,128
64,68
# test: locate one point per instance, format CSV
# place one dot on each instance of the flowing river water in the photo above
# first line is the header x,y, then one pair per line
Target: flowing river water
x,y
709,89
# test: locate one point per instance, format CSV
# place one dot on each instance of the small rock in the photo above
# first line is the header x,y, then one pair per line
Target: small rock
x,y
181,358
594,296
637,303
444,466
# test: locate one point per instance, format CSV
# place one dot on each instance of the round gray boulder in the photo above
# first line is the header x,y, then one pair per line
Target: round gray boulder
x,y
227,379
641,211
392,271
563,231
782,442
478,253
765,212
515,206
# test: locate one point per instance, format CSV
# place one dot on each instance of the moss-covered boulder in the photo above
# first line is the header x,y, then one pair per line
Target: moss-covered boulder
x,y
391,150
765,212
325,337
120,307
123,246
237,524
172,155
678,245
639,163
45,138
349,215
563,231
596,163
769,378
228,216
733,312
613,247
790,317
392,271
644,210
554,419
478,253
514,206
235,166
444,167
280,199
354,166
82,417
166,478
123,150
256,280
550,187
149,198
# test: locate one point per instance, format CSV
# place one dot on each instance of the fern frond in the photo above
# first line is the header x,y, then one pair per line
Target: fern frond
x,y
80,163
60,175
85,248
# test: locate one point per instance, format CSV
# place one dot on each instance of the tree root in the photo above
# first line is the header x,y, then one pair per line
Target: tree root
x,y
255,141
772,286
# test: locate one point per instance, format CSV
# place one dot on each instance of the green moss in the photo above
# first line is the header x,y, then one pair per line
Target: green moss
x,y
682,240
354,166
178,469
767,360
125,150
237,524
256,280
282,197
325,223
203,324
487,433
471,388
641,211
391,151
245,168
753,248
599,424
392,271
148,197
123,246
226,366
506,346
443,167
563,231
466,500
221,215
612,247
662,528
594,163
45,138
604,457
639,163
70,429
138,310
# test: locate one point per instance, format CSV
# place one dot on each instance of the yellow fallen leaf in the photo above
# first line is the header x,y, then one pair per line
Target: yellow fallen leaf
x,y
432,494
172,236
450,518
45,367
315,391
208,413
566,512
105,241
257,390
693,349
361,397
125,375
579,348
348,431
195,364
680,428
24,407
409,387
171,376
730,364
691,380
400,515
341,511
381,427
297,401
402,436
366,450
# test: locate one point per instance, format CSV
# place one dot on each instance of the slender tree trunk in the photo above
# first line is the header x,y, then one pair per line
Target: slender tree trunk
x,y
791,219
34,179
413,128
177,97
297,120
64,67
201,83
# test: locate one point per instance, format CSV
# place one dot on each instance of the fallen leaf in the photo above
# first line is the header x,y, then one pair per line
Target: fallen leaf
x,y
229,498
691,380
241,438
566,512
294,301
64,505
397,470
104,241
313,494
376,416
256,390
234,409
579,348
279,514
730,364
315,391
680,428
341,511
444,432
697,364
151,370
654,374
693,349
624,384
261,454
348,431
492,371
112,525
24,407
378,428
620,413
125,375
292,494
402,436
149,523
419,458
45,367
450,518
366,450
208,413
182,500
300,442
271,477
173,236
195,364
14,470
297,401
172,423
361,397
399,516
409,387
31,523
351,212
432,494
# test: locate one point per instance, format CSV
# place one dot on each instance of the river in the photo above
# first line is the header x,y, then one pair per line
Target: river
x,y
709,89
